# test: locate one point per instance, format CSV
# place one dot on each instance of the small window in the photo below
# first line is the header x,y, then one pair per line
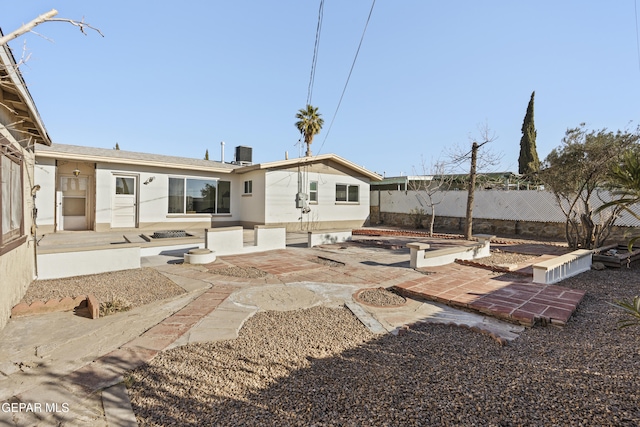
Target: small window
x,y
248,187
125,186
347,193
313,191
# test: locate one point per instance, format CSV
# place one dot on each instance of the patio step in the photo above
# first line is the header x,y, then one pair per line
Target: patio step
x,y
134,238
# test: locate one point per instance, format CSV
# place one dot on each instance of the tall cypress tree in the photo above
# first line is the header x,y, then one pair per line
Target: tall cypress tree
x,y
528,162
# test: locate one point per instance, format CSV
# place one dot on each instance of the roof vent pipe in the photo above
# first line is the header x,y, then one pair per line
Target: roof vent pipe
x,y
222,151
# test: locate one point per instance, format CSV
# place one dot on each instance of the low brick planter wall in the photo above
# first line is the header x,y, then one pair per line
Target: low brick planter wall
x,y
405,233
54,305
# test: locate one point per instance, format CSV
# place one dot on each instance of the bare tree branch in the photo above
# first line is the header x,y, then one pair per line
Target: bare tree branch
x,y
80,24
25,28
430,189
46,17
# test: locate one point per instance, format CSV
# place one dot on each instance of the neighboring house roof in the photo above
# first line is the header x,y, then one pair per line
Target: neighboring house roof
x,y
106,155
16,97
301,161
455,176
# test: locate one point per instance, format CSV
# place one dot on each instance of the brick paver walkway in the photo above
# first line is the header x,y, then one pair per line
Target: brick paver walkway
x,y
106,370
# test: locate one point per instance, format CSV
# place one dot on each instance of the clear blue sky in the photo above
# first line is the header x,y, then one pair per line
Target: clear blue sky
x,y
178,78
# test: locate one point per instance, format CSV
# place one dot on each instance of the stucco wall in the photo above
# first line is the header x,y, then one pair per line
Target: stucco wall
x,y
17,273
153,197
281,189
251,206
17,265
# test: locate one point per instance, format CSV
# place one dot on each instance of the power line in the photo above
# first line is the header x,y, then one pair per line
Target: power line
x,y
349,76
635,3
316,47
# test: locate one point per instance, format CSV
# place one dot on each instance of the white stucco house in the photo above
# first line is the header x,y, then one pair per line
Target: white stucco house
x,y
84,188
21,129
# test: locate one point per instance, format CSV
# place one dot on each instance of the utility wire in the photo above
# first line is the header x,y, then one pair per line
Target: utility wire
x,y
314,61
348,77
316,47
635,3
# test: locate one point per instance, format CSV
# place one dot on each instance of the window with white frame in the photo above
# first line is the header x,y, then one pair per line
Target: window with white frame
x,y
347,193
196,195
313,191
248,187
11,200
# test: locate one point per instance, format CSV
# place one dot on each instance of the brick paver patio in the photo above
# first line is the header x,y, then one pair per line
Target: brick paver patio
x,y
503,296
513,297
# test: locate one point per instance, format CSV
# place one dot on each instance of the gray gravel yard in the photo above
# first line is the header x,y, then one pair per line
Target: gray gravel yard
x,y
321,367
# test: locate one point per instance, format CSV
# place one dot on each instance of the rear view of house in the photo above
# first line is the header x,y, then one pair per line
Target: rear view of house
x,y
86,188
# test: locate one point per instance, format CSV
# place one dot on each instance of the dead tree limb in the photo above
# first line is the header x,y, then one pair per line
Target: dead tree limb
x,y
46,17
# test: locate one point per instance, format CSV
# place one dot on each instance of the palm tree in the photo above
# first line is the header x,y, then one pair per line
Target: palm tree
x,y
309,124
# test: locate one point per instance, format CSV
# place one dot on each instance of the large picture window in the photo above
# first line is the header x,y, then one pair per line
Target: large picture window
x,y
191,196
347,193
11,189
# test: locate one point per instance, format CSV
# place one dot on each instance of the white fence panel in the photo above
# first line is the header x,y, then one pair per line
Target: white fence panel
x,y
523,205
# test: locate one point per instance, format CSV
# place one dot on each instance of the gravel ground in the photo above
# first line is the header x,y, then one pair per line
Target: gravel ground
x,y
321,367
499,257
245,272
132,287
381,297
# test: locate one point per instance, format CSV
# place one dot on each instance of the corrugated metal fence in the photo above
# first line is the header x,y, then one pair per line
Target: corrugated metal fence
x,y
524,205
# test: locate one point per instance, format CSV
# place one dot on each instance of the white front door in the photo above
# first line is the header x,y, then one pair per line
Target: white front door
x,y
124,211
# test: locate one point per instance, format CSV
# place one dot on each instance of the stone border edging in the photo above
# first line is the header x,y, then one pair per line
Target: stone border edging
x,y
406,233
56,305
414,233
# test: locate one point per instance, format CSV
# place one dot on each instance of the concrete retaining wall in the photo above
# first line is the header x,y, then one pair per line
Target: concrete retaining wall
x,y
326,237
228,240
79,263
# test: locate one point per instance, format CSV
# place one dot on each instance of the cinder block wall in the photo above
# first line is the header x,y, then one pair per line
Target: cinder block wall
x,y
528,229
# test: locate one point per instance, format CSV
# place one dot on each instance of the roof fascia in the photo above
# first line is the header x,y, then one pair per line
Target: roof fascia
x,y
11,68
307,160
102,159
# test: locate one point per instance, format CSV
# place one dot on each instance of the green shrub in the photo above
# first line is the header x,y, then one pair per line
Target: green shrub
x,y
632,309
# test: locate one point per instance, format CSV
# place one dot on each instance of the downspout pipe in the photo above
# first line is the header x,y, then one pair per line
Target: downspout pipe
x,y
34,226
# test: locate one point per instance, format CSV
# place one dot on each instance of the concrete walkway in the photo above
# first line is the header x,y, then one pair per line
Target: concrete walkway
x,y
73,367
